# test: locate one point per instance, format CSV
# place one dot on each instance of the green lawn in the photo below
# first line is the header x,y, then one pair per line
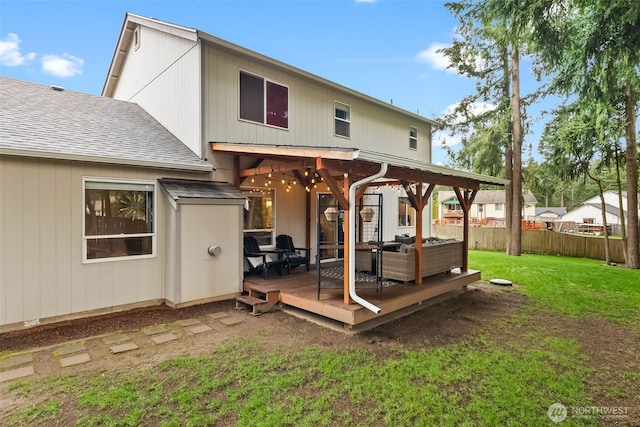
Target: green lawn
x,y
572,286
507,375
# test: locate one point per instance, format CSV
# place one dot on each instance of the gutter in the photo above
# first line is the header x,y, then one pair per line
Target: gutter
x,y
352,239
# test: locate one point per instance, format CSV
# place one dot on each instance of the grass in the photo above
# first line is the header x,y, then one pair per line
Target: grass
x,y
573,286
508,375
474,383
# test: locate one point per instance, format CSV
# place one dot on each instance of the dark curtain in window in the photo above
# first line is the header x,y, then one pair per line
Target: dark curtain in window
x,y
277,105
251,98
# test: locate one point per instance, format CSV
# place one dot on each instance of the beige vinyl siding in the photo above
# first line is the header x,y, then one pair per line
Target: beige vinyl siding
x,y
41,229
204,276
311,112
163,77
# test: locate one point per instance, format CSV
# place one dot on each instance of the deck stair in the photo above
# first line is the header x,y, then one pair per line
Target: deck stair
x,y
259,298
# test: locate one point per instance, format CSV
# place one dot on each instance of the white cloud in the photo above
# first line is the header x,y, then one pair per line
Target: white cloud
x,y
444,138
475,109
437,60
10,54
62,66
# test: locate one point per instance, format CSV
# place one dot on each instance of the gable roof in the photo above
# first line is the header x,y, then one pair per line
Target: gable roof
x,y
131,21
555,210
50,122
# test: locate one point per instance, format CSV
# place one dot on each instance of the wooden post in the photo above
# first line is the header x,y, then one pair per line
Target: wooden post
x,y
466,200
418,242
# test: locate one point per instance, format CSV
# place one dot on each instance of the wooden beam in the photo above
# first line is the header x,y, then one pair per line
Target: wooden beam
x,y
278,167
466,200
236,168
332,184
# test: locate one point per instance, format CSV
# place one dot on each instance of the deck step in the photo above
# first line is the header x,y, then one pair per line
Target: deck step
x,y
258,306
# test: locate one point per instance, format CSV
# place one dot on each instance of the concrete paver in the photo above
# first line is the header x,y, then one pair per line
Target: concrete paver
x,y
115,338
199,329
121,348
14,374
74,360
70,349
161,339
188,322
17,360
218,315
155,329
230,321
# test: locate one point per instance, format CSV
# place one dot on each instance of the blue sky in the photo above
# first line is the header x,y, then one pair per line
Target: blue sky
x,y
383,48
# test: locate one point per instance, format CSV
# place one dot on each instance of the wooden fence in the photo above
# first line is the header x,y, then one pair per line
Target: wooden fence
x,y
535,242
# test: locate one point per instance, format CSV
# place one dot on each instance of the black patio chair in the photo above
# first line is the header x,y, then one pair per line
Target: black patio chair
x,y
258,260
295,256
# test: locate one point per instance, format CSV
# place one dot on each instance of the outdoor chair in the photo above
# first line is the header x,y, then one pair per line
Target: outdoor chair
x,y
259,260
295,256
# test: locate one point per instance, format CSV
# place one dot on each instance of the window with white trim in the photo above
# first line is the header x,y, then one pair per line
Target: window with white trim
x,y
259,218
118,219
263,101
342,119
499,207
406,213
413,138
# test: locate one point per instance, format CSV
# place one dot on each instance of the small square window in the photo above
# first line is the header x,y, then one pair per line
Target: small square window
x,y
413,138
342,119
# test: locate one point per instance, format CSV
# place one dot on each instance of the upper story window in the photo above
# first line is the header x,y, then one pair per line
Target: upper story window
x,y
118,219
413,138
342,119
263,101
499,206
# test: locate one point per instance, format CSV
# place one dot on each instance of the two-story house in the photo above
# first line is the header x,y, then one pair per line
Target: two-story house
x,y
281,144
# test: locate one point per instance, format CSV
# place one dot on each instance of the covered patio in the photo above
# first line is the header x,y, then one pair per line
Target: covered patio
x,y
347,174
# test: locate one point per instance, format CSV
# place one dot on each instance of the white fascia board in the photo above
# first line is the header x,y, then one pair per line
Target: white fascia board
x,y
130,22
204,167
428,167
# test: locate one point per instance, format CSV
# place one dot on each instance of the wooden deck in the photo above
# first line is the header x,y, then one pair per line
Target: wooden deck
x,y
300,290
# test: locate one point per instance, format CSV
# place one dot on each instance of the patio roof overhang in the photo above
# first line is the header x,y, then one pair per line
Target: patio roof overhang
x,y
356,162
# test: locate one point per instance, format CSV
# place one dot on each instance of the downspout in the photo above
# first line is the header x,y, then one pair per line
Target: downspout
x,y
352,239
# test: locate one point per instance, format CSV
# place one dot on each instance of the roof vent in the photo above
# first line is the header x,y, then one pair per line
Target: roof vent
x,y
57,88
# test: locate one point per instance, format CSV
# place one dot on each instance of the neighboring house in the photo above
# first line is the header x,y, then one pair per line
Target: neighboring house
x,y
550,213
97,203
104,208
589,213
487,205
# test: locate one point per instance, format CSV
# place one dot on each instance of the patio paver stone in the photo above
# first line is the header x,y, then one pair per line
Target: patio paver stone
x,y
13,374
75,360
70,349
199,329
121,348
161,339
17,360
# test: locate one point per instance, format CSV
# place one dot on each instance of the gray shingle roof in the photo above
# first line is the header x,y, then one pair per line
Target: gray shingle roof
x,y
38,121
194,189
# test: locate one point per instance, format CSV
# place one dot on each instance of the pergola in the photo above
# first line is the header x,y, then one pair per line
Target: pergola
x,y
339,168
